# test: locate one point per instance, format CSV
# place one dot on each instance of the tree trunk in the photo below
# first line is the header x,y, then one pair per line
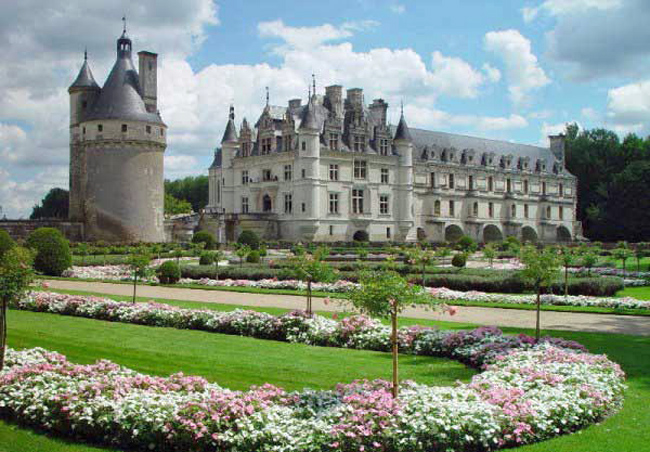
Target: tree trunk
x,y
393,321
216,268
566,280
539,308
309,297
135,284
424,267
623,273
3,332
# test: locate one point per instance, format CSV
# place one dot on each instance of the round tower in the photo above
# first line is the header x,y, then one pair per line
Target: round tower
x,y
123,140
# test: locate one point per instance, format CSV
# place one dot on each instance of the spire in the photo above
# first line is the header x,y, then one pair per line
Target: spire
x,y
230,134
308,119
124,25
124,43
86,53
267,96
313,81
402,132
85,77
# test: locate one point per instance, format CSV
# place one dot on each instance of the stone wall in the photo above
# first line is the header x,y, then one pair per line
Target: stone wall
x,y
20,229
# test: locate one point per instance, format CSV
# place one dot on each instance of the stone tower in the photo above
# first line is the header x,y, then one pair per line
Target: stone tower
x,y
117,142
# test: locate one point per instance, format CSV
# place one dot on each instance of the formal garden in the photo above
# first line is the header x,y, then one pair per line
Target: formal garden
x,y
82,371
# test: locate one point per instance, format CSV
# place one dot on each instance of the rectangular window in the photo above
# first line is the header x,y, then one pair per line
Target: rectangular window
x,y
432,180
525,210
561,190
383,146
561,212
304,145
288,203
303,207
244,204
490,183
452,209
470,182
383,204
360,169
387,233
436,207
359,143
287,172
244,177
357,201
508,185
100,127
451,181
543,188
266,175
334,141
334,172
513,211
331,230
384,175
491,210
526,186
148,129
245,149
303,173
124,127
334,203
286,140
266,145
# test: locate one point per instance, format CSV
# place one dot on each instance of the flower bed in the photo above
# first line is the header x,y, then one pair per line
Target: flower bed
x,y
525,393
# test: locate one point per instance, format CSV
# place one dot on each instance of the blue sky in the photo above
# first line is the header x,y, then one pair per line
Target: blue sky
x,y
511,70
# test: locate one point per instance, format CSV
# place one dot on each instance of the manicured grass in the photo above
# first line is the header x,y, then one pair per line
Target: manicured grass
x,y
641,293
162,350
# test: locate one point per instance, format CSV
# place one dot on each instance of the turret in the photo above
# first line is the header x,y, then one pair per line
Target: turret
x,y
309,152
83,93
404,147
230,141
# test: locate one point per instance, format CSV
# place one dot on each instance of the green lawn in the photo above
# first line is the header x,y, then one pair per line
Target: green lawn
x,y
238,362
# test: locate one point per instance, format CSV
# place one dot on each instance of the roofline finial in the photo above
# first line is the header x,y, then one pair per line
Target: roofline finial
x,y
86,53
402,106
267,96
232,112
313,82
124,22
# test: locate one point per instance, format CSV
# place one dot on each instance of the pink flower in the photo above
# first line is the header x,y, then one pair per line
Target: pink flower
x,y
452,310
45,285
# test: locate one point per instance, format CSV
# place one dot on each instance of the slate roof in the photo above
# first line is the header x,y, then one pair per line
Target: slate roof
x,y
402,132
85,78
230,134
216,162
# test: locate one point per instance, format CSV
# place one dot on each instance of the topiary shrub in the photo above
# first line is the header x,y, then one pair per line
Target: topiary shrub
x,y
206,259
6,242
204,237
248,237
253,257
466,244
459,260
52,250
169,273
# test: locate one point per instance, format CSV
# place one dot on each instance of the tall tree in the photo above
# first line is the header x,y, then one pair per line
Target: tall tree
x,y
193,189
53,205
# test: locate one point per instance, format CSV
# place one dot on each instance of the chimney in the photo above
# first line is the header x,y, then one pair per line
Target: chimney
x,y
295,103
334,99
148,66
378,108
558,146
355,97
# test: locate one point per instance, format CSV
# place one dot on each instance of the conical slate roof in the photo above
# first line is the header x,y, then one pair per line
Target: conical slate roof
x,y
403,132
230,134
85,78
308,119
216,163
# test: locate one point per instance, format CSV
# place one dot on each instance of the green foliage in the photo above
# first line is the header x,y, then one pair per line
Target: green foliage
x,y
53,205
139,266
541,267
312,268
174,206
253,257
459,260
192,189
207,258
361,236
490,252
6,242
249,238
241,252
466,244
169,272
53,255
206,238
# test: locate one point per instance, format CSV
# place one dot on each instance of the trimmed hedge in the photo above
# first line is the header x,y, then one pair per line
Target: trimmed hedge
x,y
53,255
169,272
250,238
204,237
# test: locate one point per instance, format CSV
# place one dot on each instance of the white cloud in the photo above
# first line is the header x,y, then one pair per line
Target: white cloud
x,y
541,114
398,8
590,114
492,73
454,76
628,107
428,117
522,68
563,7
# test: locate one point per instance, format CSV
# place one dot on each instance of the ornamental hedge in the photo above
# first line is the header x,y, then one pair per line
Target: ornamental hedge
x,y
53,255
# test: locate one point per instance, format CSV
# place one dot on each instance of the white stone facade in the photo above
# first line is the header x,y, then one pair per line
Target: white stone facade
x,y
343,173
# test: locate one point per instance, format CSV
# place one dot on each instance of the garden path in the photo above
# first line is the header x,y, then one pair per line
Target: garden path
x,y
551,320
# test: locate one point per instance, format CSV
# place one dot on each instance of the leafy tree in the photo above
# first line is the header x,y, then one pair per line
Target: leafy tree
x,y
216,257
16,275
385,294
82,250
169,272
568,257
53,255
206,238
490,252
192,189
640,251
466,244
6,242
139,266
589,257
53,205
540,268
622,253
241,252
312,268
442,252
249,238
459,260
178,253
174,206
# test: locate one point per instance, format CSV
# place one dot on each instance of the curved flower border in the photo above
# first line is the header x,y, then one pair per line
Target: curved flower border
x,y
526,392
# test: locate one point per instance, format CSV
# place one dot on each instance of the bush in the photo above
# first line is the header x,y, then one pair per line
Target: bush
x,y
206,258
361,236
253,257
467,244
204,237
53,255
169,272
459,260
250,238
6,242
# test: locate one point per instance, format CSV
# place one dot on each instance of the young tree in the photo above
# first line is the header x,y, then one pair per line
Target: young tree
x,y
568,257
178,253
589,257
139,266
16,275
216,257
82,250
385,294
640,251
622,253
443,252
540,268
241,252
312,268
490,252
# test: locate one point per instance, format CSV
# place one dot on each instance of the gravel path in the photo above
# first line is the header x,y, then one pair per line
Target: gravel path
x,y
551,320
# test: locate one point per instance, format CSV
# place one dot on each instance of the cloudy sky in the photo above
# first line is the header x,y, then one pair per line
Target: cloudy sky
x,y
514,70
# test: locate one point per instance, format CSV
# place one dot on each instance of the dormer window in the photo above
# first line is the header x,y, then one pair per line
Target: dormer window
x,y
162,132
100,128
124,128
148,128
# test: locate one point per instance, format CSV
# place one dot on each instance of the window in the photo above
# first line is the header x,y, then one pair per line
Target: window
x,y
383,204
357,201
561,190
304,145
384,175
334,203
334,172
383,146
491,210
359,143
452,209
266,175
84,104
334,141
331,230
526,186
508,185
543,188
286,143
470,182
475,209
245,149
244,205
525,210
148,128
432,180
162,132
548,212
387,233
560,211
359,169
303,207
244,177
288,203
100,127
124,127
303,173
266,145
451,181
436,207
83,130
513,210
287,172
490,183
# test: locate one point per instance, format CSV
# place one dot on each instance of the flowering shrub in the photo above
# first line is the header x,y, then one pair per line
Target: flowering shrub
x,y
525,394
